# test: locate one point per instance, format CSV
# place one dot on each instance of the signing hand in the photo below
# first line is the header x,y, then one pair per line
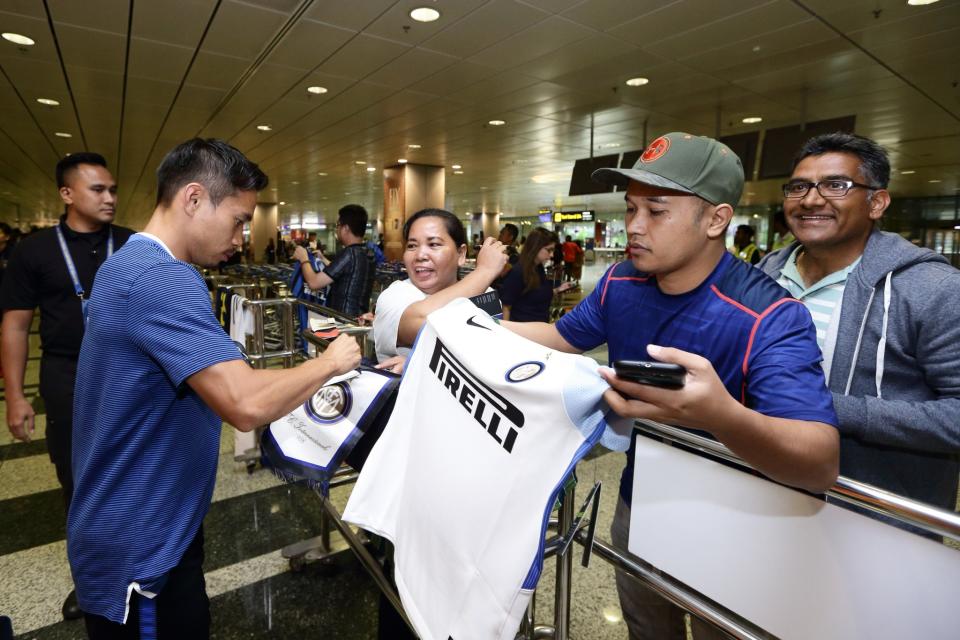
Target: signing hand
x,y
702,403
344,353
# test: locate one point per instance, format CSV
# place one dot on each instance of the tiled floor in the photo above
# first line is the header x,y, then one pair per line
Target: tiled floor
x,y
253,591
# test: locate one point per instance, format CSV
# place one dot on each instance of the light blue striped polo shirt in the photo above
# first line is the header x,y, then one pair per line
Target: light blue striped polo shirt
x,y
823,299
145,446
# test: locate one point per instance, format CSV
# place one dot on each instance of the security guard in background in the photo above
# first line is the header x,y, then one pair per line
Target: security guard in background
x,y
53,269
743,246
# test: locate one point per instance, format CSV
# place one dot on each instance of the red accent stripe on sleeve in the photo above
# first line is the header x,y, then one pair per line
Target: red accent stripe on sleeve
x,y
730,300
753,334
603,296
758,318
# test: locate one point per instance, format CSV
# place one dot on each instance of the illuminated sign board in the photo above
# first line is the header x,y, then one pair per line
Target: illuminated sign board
x,y
573,216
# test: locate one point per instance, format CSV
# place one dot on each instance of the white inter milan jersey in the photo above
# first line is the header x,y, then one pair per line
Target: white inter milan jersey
x,y
486,427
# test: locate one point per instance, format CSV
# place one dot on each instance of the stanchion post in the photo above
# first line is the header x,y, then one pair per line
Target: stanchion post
x,y
561,611
286,330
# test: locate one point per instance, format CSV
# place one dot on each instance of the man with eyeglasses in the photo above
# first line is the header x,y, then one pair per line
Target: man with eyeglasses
x,y
350,273
888,320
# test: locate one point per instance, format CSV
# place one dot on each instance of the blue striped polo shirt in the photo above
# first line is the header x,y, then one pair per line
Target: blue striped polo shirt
x,y
145,446
760,341
822,298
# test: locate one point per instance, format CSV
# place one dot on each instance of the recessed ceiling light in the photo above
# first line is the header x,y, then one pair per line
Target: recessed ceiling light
x,y
371,169
497,123
402,160
413,146
637,82
316,90
282,202
907,172
264,127
359,162
751,193
459,173
456,166
918,3
424,14
934,181
294,182
752,120
62,134
50,102
16,38
322,173
346,193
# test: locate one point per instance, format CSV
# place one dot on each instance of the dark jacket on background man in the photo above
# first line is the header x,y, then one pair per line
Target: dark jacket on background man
x,y
895,373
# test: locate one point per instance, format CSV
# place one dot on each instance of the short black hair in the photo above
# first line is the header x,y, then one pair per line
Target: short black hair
x,y
6,229
451,222
874,162
218,166
512,228
750,231
68,164
355,217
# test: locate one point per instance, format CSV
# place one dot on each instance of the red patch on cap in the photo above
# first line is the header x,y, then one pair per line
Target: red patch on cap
x,y
656,149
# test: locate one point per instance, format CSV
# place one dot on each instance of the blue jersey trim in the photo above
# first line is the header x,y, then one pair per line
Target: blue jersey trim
x,y
533,575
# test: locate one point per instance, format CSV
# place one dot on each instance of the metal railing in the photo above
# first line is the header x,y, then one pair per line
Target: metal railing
x,y
932,519
923,516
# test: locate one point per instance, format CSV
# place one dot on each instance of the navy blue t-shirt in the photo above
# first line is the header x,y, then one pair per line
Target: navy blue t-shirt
x,y
761,341
145,446
527,306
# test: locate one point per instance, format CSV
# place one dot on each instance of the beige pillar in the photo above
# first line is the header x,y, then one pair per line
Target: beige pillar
x,y
407,188
491,224
262,228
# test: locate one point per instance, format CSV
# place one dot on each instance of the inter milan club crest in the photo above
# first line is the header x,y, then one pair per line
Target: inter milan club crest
x,y
329,404
656,149
524,371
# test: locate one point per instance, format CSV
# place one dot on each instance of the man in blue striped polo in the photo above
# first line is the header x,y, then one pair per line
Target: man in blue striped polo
x,y
156,375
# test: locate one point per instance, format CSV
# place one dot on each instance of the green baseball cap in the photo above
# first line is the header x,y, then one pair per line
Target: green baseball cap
x,y
687,163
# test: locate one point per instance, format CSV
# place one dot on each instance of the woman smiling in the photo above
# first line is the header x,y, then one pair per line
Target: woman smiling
x,y
435,246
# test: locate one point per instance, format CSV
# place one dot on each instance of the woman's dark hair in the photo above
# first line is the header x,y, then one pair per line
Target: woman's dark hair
x,y
454,227
219,167
537,240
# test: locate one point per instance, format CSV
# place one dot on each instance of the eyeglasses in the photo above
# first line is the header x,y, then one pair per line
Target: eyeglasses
x,y
832,188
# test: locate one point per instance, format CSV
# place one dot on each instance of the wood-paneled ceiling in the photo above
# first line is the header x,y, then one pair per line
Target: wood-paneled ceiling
x,y
135,77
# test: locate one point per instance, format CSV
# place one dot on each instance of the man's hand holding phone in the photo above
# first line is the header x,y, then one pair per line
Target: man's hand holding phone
x,y
690,394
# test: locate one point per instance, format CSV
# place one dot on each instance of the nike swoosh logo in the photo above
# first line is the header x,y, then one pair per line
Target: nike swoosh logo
x,y
471,322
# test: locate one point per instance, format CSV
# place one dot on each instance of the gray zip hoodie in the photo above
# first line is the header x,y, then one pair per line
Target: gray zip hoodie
x,y
895,373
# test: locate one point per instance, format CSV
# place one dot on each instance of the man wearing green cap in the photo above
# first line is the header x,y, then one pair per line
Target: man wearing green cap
x,y
753,366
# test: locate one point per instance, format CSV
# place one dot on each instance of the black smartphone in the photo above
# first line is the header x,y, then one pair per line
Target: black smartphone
x,y
658,374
